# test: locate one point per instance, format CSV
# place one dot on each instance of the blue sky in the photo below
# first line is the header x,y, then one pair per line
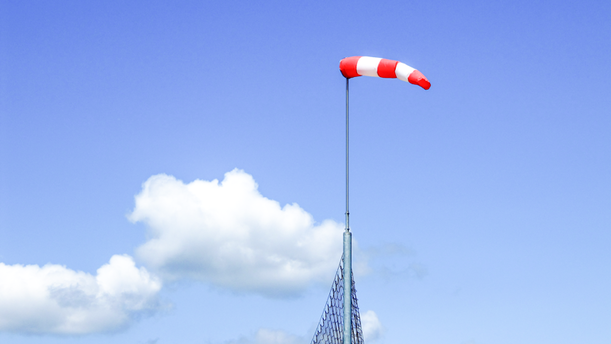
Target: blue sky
x,y
481,207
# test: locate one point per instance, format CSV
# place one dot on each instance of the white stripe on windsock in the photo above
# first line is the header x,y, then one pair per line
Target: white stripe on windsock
x,y
403,71
368,66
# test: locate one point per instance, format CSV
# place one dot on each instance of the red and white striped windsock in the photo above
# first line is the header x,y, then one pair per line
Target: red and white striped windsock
x,y
374,66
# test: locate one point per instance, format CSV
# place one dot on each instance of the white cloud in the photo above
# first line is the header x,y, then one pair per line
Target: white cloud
x,y
54,299
229,235
267,336
372,327
387,261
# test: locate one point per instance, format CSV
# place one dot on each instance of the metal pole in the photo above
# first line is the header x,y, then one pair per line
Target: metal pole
x,y
347,247
347,287
347,154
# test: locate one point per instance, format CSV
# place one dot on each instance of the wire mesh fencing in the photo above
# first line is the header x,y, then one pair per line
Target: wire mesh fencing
x,y
330,329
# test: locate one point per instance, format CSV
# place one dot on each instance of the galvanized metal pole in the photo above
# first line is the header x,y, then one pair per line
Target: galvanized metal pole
x,y
347,287
347,243
347,154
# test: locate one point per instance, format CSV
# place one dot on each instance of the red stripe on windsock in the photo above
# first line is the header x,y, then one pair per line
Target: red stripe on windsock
x,y
386,68
348,67
417,78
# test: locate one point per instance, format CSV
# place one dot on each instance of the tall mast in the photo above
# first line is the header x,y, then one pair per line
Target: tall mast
x,y
347,242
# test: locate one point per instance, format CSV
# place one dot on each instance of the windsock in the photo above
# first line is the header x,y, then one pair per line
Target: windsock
x,y
374,66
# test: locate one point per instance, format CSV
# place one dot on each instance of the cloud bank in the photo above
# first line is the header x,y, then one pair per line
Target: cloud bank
x,y
227,234
372,332
54,299
268,336
223,233
372,327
